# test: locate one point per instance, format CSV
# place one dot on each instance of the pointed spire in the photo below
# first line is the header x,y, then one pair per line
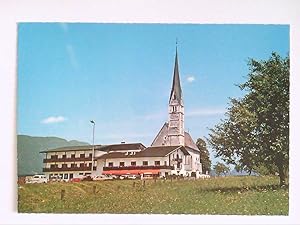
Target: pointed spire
x,y
176,88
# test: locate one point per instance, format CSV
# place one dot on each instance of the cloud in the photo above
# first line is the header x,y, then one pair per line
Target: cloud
x,y
54,119
205,112
72,56
64,27
190,79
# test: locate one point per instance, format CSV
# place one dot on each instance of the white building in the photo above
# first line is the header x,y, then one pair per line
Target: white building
x,y
172,151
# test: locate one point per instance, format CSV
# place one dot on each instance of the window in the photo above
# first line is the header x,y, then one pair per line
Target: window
x,y
73,165
133,163
53,166
90,155
110,164
82,155
64,165
145,163
71,175
122,163
66,176
53,156
64,156
73,156
80,173
165,163
157,163
90,164
81,164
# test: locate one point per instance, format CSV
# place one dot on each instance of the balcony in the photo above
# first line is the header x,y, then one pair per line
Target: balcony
x,y
106,168
67,159
60,169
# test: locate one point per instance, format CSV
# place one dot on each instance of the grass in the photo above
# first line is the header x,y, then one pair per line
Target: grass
x,y
215,196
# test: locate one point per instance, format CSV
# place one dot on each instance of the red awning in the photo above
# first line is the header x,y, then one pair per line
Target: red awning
x,y
135,172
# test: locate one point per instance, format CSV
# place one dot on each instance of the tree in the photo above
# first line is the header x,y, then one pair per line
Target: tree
x,y
204,155
221,168
255,132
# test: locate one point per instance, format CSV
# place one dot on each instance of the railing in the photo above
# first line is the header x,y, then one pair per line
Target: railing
x,y
79,168
106,168
67,159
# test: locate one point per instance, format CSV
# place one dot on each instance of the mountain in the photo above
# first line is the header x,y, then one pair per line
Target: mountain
x,y
30,160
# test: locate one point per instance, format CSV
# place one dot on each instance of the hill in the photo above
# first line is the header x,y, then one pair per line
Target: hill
x,y
30,160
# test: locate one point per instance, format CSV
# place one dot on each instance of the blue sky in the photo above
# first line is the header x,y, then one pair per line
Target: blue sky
x,y
120,75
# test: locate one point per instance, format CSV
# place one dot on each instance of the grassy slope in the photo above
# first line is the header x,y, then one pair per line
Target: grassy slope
x,y
30,160
230,195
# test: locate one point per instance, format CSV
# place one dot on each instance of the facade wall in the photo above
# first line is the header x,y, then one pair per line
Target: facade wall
x,y
138,161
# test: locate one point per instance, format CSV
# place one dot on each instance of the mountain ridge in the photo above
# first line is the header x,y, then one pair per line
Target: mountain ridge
x,y
29,158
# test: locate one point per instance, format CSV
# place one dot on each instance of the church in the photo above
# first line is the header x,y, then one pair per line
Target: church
x,y
172,152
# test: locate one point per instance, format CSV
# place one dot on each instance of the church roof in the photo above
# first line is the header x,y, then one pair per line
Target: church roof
x,y
176,87
160,137
158,151
189,142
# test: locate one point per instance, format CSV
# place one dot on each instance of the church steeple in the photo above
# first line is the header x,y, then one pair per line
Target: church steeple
x,y
176,109
176,92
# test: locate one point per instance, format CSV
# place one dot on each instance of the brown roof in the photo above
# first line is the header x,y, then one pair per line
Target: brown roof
x,y
114,147
148,152
71,148
118,147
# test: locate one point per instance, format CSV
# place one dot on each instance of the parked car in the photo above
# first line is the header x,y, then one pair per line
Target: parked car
x,y
133,177
76,179
102,177
87,178
55,178
37,179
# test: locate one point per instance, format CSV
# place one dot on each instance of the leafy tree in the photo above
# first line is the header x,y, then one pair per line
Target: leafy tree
x,y
204,155
255,132
221,168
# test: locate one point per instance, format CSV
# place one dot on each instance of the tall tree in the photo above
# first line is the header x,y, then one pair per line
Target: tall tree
x,y
204,155
256,129
221,168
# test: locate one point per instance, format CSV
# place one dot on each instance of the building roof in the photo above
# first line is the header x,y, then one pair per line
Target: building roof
x,y
71,148
113,147
189,142
160,138
159,151
176,87
119,147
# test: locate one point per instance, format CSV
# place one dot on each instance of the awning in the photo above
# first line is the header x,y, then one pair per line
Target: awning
x,y
133,172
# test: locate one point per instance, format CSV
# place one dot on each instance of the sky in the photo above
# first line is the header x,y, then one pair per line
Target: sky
x,y
120,76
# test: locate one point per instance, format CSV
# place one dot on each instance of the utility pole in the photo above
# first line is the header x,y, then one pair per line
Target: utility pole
x,y
93,148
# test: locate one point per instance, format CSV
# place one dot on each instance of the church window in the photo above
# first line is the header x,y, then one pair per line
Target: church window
x,y
133,163
110,164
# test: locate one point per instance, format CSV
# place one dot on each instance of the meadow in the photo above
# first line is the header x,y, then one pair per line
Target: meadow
x,y
215,196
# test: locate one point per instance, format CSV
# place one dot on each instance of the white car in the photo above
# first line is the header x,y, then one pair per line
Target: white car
x,y
133,177
102,177
38,179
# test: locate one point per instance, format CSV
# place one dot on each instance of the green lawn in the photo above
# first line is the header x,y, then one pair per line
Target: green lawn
x,y
223,196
